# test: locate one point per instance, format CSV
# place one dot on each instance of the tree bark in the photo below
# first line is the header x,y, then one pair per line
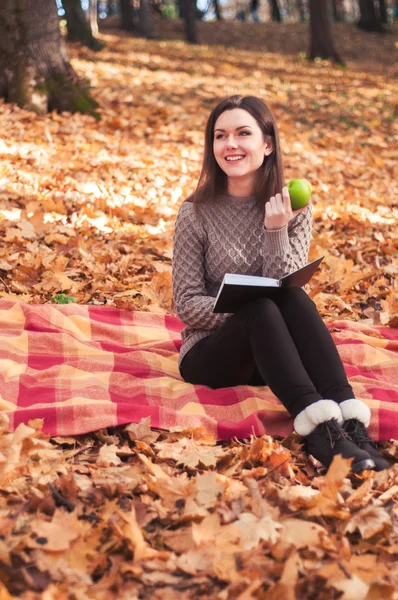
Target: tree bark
x,y
217,10
78,27
110,8
180,8
321,44
369,20
126,15
300,8
383,12
191,27
94,17
145,19
275,11
338,13
35,72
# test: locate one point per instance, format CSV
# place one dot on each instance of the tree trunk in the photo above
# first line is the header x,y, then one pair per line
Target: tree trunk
x,y
180,8
79,29
35,72
110,9
191,27
94,17
301,11
322,44
217,10
275,11
338,13
383,12
145,18
126,15
369,20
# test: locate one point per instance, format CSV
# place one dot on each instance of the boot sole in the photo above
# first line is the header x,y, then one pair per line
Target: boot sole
x,y
363,465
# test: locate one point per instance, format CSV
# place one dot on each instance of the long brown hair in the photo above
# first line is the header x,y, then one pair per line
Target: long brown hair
x,y
270,179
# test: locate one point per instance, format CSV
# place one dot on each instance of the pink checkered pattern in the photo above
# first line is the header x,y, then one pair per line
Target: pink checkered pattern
x,y
84,368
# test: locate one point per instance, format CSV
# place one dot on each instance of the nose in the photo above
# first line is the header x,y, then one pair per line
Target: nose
x,y
231,142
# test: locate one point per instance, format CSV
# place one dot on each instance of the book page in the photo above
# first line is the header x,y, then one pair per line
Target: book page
x,y
235,279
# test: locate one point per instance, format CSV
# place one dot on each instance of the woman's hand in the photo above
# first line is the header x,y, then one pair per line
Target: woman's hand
x,y
278,211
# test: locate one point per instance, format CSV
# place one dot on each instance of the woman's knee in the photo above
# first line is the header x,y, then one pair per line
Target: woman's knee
x,y
296,299
297,294
259,308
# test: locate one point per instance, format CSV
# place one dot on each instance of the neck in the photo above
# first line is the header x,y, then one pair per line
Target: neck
x,y
242,187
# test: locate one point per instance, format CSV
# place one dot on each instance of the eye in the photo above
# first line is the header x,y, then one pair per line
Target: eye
x,y
219,136
245,133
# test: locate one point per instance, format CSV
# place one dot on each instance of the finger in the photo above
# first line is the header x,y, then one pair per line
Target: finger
x,y
286,198
281,205
268,209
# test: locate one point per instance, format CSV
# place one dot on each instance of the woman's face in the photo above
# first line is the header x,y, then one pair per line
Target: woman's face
x,y
239,146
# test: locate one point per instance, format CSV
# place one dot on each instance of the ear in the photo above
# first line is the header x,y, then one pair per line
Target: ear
x,y
268,147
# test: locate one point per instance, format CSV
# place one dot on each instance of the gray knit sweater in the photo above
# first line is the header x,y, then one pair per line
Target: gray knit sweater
x,y
227,237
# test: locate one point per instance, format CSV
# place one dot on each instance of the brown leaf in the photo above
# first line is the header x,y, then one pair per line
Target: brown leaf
x,y
327,502
303,534
353,589
196,455
142,431
107,456
56,535
369,522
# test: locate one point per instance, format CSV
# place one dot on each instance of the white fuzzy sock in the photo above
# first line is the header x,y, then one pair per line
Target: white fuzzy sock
x,y
313,415
355,409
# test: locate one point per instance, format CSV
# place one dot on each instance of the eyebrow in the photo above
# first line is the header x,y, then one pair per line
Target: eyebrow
x,y
237,129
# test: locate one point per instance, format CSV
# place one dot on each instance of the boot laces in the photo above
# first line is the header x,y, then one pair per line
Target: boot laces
x,y
333,431
357,432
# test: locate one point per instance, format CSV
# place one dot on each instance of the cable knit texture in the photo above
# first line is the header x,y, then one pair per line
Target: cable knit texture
x,y
228,236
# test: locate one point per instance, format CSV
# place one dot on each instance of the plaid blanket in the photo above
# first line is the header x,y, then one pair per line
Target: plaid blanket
x,y
85,368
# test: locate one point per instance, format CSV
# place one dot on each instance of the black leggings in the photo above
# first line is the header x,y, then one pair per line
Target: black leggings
x,y
280,342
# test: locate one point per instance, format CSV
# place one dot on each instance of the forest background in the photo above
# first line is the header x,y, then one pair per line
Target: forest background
x,y
91,179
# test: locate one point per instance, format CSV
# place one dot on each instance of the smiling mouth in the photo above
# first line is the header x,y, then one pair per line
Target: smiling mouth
x,y
234,159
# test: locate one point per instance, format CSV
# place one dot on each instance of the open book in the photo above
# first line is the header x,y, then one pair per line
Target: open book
x,y
237,290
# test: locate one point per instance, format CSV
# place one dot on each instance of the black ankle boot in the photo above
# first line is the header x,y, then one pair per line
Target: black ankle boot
x,y
329,439
359,435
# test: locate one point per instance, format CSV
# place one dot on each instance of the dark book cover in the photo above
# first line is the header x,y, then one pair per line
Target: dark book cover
x,y
237,290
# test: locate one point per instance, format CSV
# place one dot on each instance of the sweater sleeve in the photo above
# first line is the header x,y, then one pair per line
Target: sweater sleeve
x,y
286,249
192,303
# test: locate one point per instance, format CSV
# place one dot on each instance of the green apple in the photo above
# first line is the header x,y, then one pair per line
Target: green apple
x,y
300,192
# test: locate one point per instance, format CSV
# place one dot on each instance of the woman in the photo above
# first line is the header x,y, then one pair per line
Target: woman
x,y
239,220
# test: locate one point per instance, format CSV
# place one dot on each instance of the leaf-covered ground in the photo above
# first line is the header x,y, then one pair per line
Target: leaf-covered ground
x,y
87,210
